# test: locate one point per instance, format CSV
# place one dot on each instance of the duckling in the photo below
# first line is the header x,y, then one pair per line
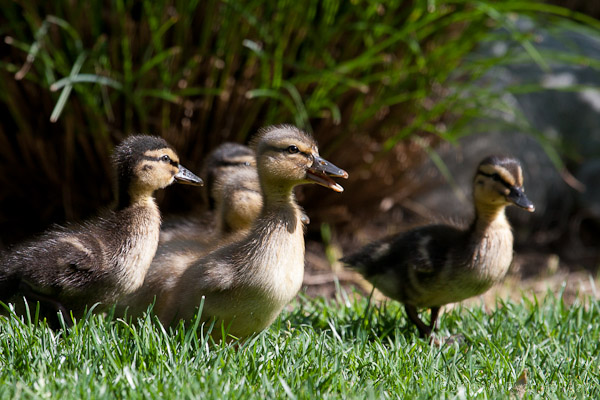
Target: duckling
x,y
73,267
434,265
236,201
237,198
227,159
233,195
246,283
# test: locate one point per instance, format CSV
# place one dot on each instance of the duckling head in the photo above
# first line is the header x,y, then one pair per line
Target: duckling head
x,y
287,157
145,164
227,159
499,182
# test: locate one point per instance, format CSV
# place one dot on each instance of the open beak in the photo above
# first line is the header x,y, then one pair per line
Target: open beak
x,y
321,172
518,198
186,176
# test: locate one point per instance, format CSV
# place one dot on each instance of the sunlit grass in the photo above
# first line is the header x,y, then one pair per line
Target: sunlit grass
x,y
317,349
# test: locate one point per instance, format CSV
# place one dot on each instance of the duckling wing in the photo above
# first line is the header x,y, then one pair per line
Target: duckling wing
x,y
418,255
78,255
59,262
210,276
205,280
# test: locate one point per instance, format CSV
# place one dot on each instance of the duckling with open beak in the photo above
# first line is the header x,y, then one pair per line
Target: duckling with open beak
x,y
245,284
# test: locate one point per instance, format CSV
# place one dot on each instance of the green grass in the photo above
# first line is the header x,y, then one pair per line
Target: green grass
x,y
319,349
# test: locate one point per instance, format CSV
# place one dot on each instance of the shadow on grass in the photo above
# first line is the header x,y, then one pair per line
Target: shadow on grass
x,y
355,317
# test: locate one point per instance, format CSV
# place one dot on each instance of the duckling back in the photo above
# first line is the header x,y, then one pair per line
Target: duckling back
x,y
79,265
434,265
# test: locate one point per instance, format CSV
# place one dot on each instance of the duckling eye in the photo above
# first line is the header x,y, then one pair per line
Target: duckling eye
x,y
292,149
496,177
165,158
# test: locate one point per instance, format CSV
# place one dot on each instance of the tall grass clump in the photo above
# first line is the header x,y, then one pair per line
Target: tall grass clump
x,y
375,82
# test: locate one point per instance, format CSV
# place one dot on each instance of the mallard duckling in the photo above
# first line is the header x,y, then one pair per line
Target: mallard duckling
x,y
238,198
233,195
225,160
73,267
246,283
434,265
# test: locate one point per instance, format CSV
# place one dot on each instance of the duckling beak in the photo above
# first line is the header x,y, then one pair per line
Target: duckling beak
x,y
187,177
518,198
321,170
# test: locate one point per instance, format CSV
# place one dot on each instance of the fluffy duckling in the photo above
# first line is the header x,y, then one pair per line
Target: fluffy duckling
x,y
73,267
227,159
235,188
236,201
246,283
434,265
233,195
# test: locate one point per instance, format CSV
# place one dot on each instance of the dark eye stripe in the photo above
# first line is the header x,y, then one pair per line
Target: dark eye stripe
x,y
233,163
497,178
157,159
285,150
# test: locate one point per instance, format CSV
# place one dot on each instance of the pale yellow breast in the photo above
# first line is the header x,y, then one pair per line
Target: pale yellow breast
x,y
273,279
494,255
136,255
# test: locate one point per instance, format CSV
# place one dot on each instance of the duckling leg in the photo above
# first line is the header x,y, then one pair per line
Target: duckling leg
x,y
424,330
435,311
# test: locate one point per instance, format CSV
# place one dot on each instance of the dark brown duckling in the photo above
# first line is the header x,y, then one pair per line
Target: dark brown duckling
x,y
434,265
73,267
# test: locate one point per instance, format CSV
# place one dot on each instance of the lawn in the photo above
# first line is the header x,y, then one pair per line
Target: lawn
x,y
376,83
318,348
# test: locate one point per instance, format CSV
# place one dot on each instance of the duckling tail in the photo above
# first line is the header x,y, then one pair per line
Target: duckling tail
x,y
355,262
371,259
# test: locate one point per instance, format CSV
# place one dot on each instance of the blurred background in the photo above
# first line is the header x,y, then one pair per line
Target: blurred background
x,y
407,96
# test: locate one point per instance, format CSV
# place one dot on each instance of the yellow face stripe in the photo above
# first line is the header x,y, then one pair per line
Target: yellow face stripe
x,y
156,154
502,172
519,177
248,160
